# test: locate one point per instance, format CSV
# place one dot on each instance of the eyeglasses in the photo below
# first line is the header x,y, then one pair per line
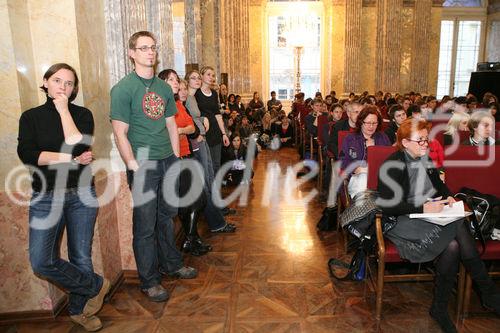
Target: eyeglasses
x,y
195,78
370,124
70,84
145,48
420,142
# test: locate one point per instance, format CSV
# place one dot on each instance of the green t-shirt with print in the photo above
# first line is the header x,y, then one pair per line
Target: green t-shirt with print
x,y
145,113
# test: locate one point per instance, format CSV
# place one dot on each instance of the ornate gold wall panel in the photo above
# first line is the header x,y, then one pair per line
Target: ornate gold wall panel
x,y
420,57
234,43
353,37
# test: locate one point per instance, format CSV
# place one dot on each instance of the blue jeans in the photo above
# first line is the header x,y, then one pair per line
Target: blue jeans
x,y
213,215
215,153
49,213
153,226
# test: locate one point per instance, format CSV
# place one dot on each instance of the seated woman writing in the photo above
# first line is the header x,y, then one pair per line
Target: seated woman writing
x,y
406,181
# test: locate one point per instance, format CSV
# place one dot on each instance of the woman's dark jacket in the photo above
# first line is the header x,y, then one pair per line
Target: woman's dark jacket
x,y
402,179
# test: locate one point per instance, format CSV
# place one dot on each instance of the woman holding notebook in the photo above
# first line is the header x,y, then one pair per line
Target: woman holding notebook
x,y
409,183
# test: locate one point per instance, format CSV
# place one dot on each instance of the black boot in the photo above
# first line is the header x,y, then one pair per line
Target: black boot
x,y
191,245
488,292
443,286
194,233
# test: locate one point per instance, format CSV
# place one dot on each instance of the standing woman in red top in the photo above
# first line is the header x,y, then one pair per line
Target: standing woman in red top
x,y
188,213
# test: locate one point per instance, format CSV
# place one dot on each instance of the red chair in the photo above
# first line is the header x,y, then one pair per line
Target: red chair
x,y
322,122
386,250
481,173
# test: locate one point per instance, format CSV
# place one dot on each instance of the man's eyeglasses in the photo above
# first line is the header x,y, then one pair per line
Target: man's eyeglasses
x,y
145,48
420,142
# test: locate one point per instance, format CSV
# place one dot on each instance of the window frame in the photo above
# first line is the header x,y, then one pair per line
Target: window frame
x,y
457,15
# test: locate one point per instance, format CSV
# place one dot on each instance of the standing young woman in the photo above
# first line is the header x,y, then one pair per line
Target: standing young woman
x,y
188,214
52,135
213,215
208,103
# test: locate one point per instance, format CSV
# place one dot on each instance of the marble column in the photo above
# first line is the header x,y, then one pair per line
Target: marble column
x,y
160,22
419,68
352,44
234,43
192,44
209,12
388,58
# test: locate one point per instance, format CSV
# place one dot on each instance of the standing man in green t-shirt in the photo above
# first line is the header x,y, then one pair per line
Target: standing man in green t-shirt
x,y
142,115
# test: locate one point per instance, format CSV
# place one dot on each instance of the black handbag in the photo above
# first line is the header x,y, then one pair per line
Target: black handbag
x,y
359,216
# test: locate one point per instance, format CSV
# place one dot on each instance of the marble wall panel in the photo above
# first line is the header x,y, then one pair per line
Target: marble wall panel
x,y
433,44
10,84
20,290
92,47
493,42
257,26
406,53
337,53
368,49
124,218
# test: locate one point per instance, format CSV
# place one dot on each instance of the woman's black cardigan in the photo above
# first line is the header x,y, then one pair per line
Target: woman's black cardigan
x,y
402,178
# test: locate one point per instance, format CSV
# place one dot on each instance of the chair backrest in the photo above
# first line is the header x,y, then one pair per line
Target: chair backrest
x,y
376,155
384,126
342,135
468,167
322,122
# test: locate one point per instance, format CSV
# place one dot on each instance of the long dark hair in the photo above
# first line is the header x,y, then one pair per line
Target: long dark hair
x,y
164,74
54,69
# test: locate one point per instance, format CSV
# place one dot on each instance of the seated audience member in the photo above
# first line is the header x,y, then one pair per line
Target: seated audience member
x,y
406,181
458,122
233,122
231,103
274,105
312,118
237,153
334,115
245,129
354,147
397,115
461,104
413,111
334,97
406,104
256,106
493,107
266,123
240,105
349,124
431,103
328,102
482,130
285,132
472,103
489,98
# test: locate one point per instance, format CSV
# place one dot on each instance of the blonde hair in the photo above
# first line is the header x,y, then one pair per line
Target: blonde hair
x,y
188,74
204,69
455,120
184,82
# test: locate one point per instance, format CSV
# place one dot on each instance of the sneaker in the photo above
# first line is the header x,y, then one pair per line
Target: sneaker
x,y
156,293
185,273
228,228
94,304
228,211
90,324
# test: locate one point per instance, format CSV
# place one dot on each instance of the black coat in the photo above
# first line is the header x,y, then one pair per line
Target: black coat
x,y
402,178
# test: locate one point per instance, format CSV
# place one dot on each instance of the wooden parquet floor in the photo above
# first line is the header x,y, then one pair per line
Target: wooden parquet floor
x,y
271,276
